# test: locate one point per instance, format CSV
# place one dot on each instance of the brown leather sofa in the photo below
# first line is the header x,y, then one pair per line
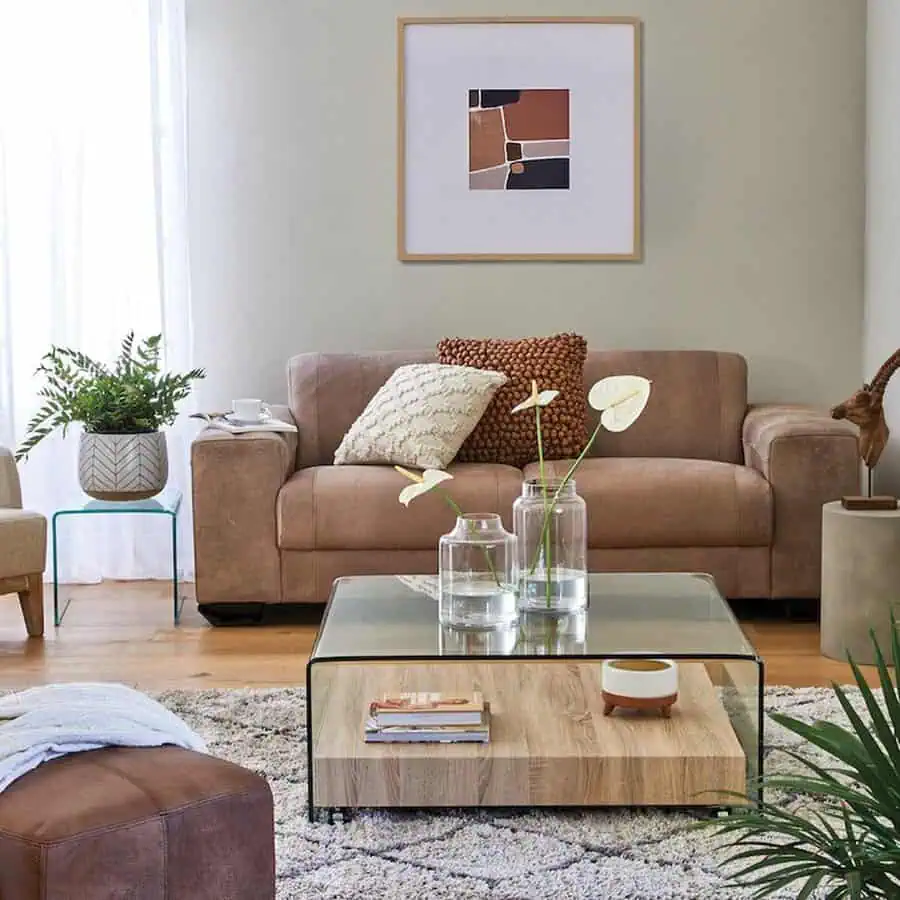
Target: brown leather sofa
x,y
702,482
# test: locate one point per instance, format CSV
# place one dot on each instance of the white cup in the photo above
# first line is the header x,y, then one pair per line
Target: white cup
x,y
247,410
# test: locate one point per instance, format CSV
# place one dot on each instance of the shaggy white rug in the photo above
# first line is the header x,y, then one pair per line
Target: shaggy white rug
x,y
494,855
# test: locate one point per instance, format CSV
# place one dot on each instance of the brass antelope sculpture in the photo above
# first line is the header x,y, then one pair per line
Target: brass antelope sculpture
x,y
865,408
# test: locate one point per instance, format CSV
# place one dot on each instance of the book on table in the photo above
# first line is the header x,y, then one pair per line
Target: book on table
x,y
427,708
429,734
413,718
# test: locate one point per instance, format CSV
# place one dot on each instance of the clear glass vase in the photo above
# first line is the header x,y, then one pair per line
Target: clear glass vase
x,y
551,528
477,574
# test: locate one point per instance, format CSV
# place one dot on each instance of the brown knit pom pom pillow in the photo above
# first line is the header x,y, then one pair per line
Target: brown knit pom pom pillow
x,y
556,363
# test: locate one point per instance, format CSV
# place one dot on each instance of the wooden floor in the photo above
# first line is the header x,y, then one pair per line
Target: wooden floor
x,y
123,631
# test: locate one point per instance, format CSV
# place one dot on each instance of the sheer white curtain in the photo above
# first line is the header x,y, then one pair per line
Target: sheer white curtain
x,y
93,235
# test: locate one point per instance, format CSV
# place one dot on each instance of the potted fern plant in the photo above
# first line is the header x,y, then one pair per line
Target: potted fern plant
x,y
122,452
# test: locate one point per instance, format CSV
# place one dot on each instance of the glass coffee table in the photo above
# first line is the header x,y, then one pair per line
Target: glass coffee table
x,y
551,743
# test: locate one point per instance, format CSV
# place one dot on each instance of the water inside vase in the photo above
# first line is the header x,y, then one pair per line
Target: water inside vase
x,y
568,590
476,601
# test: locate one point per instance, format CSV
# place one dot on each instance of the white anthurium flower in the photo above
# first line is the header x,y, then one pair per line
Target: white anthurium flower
x,y
423,483
537,398
621,399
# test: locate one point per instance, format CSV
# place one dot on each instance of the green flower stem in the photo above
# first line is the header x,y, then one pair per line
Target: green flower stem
x,y
540,443
568,476
551,636
487,556
545,528
450,502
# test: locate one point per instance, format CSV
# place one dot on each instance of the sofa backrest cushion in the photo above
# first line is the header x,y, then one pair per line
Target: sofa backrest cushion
x,y
697,404
327,392
696,409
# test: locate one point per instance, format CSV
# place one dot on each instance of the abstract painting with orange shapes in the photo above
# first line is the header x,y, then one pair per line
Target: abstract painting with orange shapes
x,y
519,140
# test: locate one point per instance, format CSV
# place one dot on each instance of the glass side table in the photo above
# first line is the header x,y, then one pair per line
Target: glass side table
x,y
168,503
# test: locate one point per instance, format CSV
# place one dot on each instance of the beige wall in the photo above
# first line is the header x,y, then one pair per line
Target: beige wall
x,y
753,194
882,318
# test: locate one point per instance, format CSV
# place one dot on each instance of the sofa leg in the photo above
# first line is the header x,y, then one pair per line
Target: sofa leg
x,y
32,602
232,613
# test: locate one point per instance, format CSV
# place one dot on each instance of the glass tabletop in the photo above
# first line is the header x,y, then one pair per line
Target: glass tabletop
x,y
652,614
168,503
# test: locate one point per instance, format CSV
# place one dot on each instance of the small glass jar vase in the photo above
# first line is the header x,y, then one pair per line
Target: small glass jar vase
x,y
551,528
477,574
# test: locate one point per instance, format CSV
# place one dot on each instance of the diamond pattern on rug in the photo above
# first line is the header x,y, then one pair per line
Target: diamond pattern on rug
x,y
371,877
615,878
383,832
601,830
481,850
310,856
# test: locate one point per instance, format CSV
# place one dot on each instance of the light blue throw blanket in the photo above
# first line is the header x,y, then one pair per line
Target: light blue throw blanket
x,y
43,723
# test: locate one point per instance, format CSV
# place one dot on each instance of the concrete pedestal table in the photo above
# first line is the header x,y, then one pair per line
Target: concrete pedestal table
x,y
860,580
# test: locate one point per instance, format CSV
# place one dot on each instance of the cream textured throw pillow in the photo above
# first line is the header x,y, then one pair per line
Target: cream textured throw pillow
x,y
420,416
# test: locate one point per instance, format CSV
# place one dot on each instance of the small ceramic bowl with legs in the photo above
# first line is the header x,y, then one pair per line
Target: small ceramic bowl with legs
x,y
644,684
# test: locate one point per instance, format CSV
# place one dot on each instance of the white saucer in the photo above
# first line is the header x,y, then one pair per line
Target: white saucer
x,y
234,420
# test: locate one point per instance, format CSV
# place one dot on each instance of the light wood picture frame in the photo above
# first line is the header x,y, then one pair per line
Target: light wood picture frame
x,y
548,111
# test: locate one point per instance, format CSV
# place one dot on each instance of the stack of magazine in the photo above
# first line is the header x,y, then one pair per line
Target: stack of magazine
x,y
425,717
227,422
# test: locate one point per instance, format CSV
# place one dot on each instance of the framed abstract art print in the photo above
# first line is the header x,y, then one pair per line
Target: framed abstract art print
x,y
519,138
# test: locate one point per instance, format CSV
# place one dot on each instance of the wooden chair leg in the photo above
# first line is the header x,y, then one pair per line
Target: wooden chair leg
x,y
32,602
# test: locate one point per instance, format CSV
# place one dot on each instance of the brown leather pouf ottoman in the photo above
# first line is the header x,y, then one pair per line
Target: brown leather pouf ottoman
x,y
137,824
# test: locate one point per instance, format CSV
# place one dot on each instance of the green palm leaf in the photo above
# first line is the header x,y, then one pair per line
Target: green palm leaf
x,y
847,845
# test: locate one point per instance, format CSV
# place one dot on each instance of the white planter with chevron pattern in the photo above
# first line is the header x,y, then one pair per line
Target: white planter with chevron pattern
x,y
123,466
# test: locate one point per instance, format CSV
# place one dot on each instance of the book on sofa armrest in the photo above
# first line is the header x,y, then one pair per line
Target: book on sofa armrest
x,y
220,421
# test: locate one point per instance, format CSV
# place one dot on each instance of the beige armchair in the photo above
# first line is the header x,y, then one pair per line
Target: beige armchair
x,y
23,548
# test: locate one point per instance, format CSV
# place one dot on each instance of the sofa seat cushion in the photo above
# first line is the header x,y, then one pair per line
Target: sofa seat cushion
x,y
357,507
643,502
23,542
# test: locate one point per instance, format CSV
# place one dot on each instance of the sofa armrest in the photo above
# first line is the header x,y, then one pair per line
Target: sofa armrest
x,y
235,482
808,459
10,489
